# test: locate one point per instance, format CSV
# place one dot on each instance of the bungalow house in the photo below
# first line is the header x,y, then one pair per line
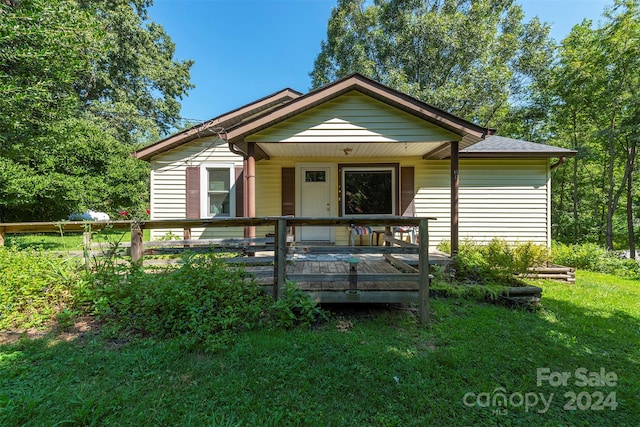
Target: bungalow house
x,y
353,147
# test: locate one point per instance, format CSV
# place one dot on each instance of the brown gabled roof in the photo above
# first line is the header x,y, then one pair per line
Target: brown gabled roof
x,y
280,106
222,122
470,132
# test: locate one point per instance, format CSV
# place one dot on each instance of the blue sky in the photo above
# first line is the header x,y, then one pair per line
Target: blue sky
x,y
247,49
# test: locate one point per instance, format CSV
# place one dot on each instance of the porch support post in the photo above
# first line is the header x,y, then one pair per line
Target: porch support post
x,y
455,191
245,195
423,269
250,192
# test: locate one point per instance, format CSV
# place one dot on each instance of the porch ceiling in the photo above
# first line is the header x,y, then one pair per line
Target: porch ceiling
x,y
350,149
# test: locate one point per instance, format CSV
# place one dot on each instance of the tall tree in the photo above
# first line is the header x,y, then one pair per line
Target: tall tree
x,y
596,86
82,84
473,58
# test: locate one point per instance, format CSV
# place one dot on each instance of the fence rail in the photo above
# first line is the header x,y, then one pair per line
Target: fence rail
x,y
278,244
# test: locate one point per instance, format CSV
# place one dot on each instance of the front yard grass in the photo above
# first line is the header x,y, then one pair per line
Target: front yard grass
x,y
366,366
68,241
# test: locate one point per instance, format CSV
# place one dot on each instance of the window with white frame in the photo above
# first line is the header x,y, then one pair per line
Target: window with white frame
x,y
368,190
217,190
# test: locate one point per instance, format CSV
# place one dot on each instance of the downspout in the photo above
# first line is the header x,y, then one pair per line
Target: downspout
x,y
250,190
245,198
559,163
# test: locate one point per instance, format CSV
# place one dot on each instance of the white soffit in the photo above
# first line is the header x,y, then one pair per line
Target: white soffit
x,y
349,149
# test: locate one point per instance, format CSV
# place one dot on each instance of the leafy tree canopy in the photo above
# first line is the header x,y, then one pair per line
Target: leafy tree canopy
x,y
473,58
595,109
82,84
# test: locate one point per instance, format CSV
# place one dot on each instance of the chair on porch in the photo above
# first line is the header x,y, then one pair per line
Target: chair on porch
x,y
359,230
408,229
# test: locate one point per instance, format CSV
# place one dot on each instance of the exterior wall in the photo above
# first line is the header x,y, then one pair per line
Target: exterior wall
x,y
503,198
269,181
433,198
168,183
498,198
353,117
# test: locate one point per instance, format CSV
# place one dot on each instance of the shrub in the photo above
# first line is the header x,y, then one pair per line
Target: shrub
x,y
35,286
497,261
470,264
296,308
528,256
500,259
590,256
203,302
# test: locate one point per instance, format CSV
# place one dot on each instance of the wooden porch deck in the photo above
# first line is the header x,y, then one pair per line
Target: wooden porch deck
x,y
384,273
379,278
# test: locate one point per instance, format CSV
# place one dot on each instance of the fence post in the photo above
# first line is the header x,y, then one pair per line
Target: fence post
x,y
186,235
86,246
423,269
280,256
136,242
1,236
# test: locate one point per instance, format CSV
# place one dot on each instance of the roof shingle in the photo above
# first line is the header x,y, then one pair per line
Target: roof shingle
x,y
500,146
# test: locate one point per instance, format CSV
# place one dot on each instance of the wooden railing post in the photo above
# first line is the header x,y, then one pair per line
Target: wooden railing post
x,y
388,236
423,269
86,246
280,256
136,242
186,235
1,236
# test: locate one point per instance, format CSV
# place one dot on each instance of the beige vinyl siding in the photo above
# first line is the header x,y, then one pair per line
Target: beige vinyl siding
x,y
269,181
268,190
168,186
433,198
506,199
498,198
353,117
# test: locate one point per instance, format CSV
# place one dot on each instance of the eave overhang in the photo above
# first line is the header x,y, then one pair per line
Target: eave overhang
x,y
470,133
508,148
219,124
516,155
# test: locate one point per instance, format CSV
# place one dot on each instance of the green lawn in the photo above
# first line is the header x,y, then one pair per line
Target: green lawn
x,y
67,241
366,366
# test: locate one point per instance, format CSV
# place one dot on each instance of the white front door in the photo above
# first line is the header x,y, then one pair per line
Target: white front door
x,y
315,201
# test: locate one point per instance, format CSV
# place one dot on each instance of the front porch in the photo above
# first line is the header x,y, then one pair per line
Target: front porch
x,y
331,276
328,273
332,273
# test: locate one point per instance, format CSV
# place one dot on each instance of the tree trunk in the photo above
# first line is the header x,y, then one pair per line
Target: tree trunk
x,y
631,160
611,203
576,217
632,239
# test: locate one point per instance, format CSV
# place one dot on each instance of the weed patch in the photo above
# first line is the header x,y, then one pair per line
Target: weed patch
x,y
34,286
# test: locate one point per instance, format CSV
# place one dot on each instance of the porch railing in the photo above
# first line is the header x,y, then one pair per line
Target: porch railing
x,y
278,244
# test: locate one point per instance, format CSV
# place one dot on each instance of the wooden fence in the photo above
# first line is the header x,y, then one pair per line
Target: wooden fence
x,y
280,247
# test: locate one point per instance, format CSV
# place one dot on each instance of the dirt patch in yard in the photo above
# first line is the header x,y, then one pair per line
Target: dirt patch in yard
x,y
81,328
